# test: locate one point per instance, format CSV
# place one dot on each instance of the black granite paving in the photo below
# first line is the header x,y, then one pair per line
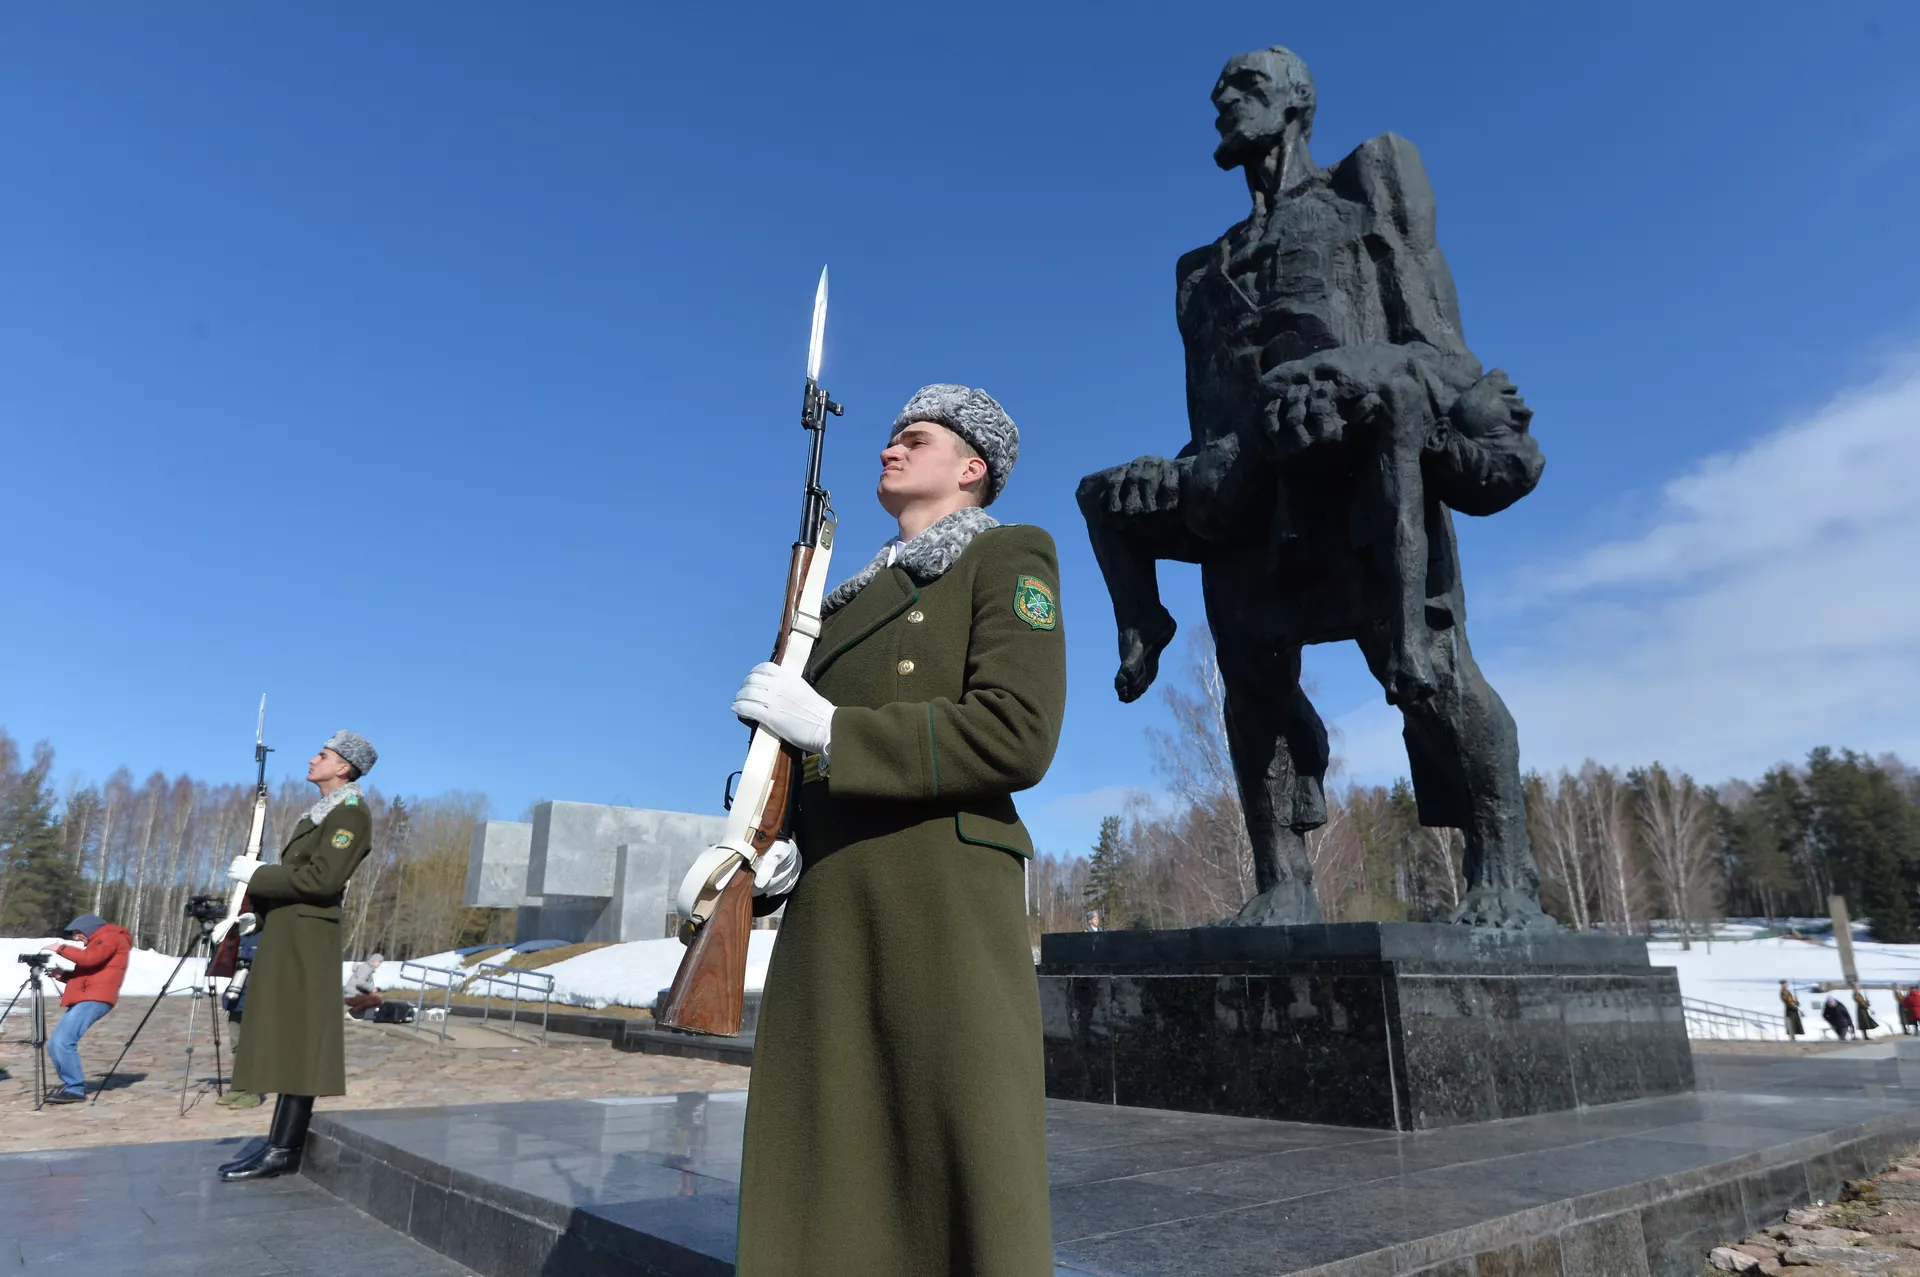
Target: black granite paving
x,y
648,1185
1148,1193
153,1210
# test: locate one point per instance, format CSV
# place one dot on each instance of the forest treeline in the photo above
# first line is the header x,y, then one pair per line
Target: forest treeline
x,y
135,852
1616,847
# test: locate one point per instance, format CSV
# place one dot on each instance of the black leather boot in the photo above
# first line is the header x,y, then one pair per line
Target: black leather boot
x,y
253,1157
291,1113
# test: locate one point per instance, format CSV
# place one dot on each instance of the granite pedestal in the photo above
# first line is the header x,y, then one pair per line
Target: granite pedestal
x,y
1401,1026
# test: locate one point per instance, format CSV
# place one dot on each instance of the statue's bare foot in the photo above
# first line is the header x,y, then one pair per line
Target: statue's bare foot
x,y
1286,904
1507,910
1140,648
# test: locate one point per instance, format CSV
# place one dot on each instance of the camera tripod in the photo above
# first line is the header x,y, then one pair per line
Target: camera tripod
x,y
36,980
202,988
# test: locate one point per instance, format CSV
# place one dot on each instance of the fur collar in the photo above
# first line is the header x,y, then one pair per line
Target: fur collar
x,y
318,812
926,558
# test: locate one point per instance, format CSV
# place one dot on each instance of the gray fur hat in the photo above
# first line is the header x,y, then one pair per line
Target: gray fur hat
x,y
975,416
354,749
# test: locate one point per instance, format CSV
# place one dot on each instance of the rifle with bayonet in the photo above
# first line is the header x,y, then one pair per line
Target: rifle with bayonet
x,y
241,918
710,987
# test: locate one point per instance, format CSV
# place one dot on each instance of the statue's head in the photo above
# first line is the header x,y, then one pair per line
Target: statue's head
x,y
1262,97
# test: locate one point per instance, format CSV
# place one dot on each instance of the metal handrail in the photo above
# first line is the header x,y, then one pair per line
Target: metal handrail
x,y
515,979
1720,1022
443,979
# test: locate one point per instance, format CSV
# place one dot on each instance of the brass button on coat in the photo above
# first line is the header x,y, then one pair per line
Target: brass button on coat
x,y
904,667
916,616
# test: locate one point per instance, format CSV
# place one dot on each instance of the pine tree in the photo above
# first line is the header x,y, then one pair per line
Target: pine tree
x,y
1862,823
39,880
1108,877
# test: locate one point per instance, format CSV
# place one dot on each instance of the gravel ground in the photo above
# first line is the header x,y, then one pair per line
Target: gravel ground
x,y
387,1067
1873,1228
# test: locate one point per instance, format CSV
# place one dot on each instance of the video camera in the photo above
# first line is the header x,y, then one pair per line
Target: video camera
x,y
206,908
36,959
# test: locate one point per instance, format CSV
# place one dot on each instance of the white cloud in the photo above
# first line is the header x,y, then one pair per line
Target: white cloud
x,y
1771,604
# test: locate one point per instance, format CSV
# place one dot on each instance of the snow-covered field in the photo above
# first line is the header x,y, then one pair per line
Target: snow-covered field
x,y
1740,968
630,974
1746,973
146,970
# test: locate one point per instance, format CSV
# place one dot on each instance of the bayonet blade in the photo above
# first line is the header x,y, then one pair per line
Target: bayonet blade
x,y
819,337
260,728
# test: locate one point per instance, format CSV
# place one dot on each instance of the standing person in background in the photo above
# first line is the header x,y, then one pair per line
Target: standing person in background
x,y
1901,1009
1911,1001
91,972
294,1044
1837,1018
363,994
1791,1006
1863,1014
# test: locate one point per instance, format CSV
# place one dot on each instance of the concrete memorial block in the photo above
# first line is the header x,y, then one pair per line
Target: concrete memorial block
x,y
574,844
647,874
497,865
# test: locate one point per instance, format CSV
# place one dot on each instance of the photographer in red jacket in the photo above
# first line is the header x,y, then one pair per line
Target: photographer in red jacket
x,y
91,966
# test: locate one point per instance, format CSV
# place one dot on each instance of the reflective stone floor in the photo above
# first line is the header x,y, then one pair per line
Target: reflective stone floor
x,y
509,1188
1136,1192
153,1210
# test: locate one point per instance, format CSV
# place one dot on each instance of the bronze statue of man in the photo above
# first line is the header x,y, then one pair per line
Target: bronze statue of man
x,y
1337,416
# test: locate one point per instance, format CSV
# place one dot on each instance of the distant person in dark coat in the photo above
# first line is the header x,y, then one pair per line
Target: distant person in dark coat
x,y
1901,1009
1837,1018
1791,1004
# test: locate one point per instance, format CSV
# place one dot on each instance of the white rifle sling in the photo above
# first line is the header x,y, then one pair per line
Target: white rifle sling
x,y
239,896
717,865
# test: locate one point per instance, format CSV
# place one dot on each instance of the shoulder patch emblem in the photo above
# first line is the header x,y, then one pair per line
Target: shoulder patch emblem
x,y
343,838
1033,603
351,800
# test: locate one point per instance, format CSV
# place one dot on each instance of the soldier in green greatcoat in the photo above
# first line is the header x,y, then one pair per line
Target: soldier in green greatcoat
x,y
294,1045
896,1124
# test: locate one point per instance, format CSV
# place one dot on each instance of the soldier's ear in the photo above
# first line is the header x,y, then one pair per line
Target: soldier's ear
x,y
973,477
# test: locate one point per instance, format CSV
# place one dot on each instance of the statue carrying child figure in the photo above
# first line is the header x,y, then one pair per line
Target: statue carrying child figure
x,y
1337,416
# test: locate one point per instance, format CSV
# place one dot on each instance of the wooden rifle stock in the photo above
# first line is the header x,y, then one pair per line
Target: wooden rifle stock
x,y
708,992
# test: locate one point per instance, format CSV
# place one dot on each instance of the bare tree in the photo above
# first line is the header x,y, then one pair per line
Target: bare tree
x,y
1676,828
1554,810
119,786
1609,836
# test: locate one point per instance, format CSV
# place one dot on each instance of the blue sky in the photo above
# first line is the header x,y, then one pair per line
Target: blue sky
x,y
433,368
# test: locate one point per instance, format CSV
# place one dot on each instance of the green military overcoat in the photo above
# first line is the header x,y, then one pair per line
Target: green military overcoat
x,y
896,1125
291,1041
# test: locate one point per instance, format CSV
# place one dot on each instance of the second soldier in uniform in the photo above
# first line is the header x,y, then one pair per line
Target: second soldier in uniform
x,y
294,1045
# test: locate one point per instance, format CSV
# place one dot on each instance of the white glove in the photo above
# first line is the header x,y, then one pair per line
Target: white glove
x,y
242,868
777,870
246,922
705,865
779,700
61,962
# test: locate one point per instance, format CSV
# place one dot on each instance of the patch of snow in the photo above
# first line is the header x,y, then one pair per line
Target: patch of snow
x,y
146,970
633,974
1747,973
